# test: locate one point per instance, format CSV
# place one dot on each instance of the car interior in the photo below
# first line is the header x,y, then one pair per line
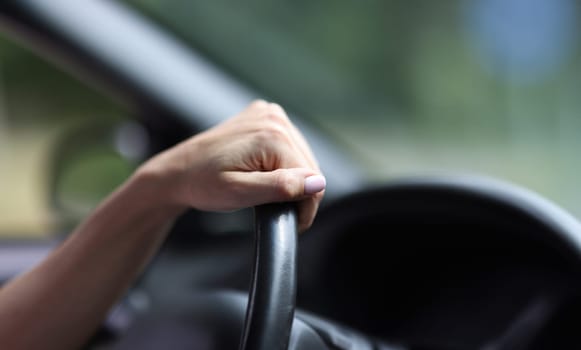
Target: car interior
x,y
418,261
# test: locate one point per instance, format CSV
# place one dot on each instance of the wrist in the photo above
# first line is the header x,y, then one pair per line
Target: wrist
x,y
154,190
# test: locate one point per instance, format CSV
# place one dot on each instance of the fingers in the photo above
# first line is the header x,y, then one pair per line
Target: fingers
x,y
307,211
274,114
296,135
297,153
281,185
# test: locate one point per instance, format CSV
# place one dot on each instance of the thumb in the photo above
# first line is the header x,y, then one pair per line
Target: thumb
x,y
259,187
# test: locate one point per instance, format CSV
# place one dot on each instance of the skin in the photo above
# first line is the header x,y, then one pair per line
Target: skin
x,y
255,157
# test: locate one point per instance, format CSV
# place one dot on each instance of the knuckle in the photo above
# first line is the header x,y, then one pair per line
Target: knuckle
x,y
277,118
276,114
286,185
273,133
258,104
276,107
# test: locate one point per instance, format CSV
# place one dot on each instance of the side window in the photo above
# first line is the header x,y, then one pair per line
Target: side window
x,y
62,146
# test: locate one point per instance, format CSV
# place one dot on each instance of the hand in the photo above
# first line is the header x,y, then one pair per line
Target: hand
x,y
256,157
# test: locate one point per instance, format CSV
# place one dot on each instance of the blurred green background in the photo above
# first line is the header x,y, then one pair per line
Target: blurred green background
x,y
406,87
41,109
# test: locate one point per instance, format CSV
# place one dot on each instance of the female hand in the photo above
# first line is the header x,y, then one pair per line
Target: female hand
x,y
256,157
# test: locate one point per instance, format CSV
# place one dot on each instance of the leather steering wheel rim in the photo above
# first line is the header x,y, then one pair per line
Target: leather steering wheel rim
x,y
271,302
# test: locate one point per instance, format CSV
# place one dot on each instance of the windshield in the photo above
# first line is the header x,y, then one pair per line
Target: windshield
x,y
413,87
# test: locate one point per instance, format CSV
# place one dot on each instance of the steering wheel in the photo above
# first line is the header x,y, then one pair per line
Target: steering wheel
x,y
271,306
271,323
271,303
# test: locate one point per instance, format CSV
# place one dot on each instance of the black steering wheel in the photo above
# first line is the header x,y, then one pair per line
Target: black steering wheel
x,y
271,303
511,220
271,322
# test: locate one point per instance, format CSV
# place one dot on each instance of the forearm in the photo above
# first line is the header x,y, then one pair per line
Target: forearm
x,y
58,304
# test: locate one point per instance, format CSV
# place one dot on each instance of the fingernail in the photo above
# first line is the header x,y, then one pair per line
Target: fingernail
x,y
314,184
